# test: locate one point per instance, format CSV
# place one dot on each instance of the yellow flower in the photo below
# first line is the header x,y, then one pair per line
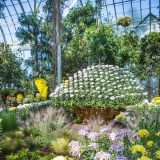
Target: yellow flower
x,y
158,154
156,100
143,133
120,117
138,149
12,109
42,87
158,134
20,97
150,143
144,158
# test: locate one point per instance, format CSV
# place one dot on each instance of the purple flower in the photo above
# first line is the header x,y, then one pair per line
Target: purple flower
x,y
93,136
75,148
84,131
112,136
122,134
116,147
93,146
121,158
102,156
104,130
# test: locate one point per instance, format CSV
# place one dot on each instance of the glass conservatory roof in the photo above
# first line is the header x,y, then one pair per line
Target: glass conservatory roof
x,y
111,10
13,9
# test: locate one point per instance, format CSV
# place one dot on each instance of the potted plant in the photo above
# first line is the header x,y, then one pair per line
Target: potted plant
x,y
101,90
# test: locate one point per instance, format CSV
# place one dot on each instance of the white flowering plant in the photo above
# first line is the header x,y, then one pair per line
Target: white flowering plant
x,y
99,86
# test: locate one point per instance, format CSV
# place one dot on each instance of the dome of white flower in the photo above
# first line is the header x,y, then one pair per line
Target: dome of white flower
x,y
100,86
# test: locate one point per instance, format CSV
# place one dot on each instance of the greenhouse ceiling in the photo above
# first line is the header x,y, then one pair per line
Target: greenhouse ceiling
x,y
139,10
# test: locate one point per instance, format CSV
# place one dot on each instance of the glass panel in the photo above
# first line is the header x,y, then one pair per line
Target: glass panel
x,y
116,1
11,10
127,6
119,8
18,8
109,1
145,4
136,15
155,11
26,7
111,10
154,3
136,5
145,12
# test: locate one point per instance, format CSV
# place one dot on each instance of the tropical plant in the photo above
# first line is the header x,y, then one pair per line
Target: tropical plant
x,y
99,86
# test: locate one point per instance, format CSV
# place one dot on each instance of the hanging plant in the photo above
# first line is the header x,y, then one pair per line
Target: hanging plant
x,y
124,21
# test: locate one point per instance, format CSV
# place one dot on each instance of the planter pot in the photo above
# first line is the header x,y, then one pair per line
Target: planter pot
x,y
106,114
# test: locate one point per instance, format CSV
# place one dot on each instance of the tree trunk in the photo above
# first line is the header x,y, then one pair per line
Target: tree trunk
x,y
57,21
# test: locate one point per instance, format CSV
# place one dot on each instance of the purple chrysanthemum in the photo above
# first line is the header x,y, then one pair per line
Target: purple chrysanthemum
x,y
75,148
104,130
93,146
102,156
123,133
93,136
83,132
116,147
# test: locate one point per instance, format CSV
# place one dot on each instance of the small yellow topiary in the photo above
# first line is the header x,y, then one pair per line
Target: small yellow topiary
x,y
20,97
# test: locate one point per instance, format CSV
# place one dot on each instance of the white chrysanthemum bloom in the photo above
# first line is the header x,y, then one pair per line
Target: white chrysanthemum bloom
x,y
60,158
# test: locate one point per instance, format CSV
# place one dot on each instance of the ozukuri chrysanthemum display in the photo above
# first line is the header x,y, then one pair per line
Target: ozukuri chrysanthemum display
x,y
99,86
42,87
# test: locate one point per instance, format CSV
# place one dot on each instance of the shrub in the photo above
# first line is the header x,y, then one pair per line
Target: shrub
x,y
99,86
9,121
25,154
12,141
60,145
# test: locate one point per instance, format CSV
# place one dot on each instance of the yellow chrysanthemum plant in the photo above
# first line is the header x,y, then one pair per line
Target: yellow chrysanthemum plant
x,y
42,87
20,98
156,100
146,146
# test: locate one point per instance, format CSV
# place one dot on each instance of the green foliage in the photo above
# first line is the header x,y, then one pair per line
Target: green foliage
x,y
9,121
100,44
11,141
10,72
60,145
128,50
25,154
34,31
150,55
78,19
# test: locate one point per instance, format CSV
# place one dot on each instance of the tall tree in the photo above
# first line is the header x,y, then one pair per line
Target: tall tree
x,y
150,58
